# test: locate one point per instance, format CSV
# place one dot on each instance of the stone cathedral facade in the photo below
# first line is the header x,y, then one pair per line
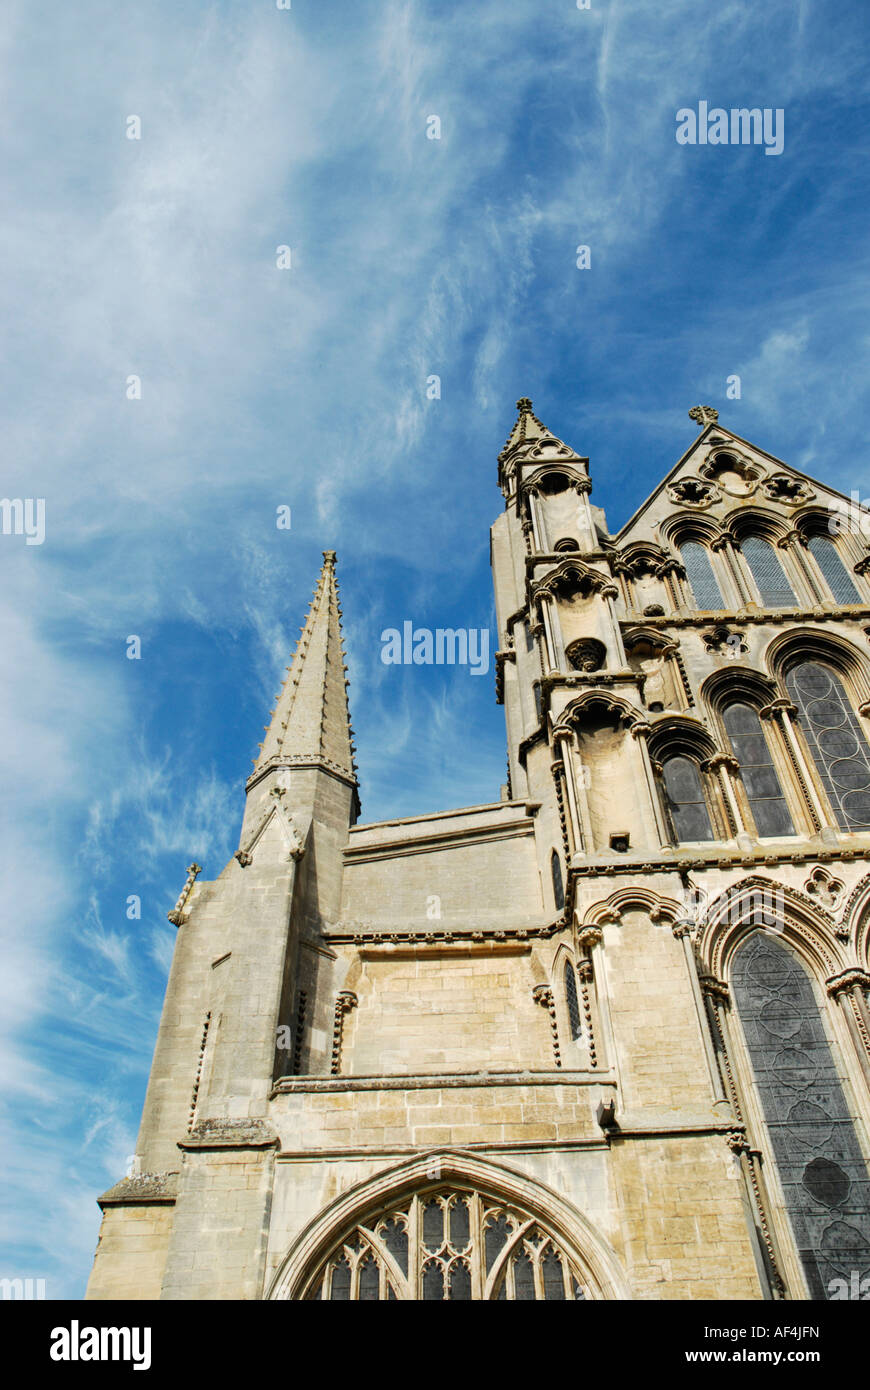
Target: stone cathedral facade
x,y
604,1038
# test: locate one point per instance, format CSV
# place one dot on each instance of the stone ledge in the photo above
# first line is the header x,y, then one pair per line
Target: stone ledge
x,y
231,1134
154,1188
442,1080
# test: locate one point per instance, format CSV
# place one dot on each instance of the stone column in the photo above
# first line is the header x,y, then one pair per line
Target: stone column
x,y
610,593
682,930
848,989
537,521
781,713
590,967
565,740
795,543
640,732
724,766
737,579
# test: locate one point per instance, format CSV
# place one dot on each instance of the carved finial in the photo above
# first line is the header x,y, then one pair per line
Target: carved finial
x,y
524,405
329,557
704,414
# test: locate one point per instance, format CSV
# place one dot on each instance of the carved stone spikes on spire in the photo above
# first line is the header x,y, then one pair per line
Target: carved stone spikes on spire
x,y
704,414
311,714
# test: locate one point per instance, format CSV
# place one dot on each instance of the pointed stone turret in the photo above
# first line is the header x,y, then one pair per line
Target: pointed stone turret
x,y
311,722
529,442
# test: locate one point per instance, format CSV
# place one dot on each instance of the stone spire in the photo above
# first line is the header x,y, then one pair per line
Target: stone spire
x,y
311,721
527,428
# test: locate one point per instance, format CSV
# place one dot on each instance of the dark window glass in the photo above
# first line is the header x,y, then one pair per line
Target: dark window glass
x,y
833,569
460,1282
459,1228
497,1234
571,996
823,1174
369,1281
340,1291
768,573
433,1284
551,1270
558,886
395,1237
836,741
433,1226
701,577
685,800
524,1278
763,790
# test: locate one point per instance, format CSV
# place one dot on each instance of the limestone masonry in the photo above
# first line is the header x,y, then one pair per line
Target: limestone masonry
x,y
607,1037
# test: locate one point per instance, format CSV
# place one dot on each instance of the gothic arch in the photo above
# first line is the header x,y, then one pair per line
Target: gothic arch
x,y
610,909
624,714
804,644
592,1254
856,920
808,928
737,683
746,521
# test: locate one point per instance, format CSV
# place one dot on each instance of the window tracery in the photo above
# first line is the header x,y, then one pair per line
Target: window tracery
x,y
758,770
702,580
448,1244
835,740
812,1133
767,571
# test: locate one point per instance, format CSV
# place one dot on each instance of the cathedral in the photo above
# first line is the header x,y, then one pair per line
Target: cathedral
x,y
606,1037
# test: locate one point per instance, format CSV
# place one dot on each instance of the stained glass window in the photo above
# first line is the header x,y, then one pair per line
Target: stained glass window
x,y
836,742
837,576
823,1174
701,577
763,790
684,797
448,1245
768,573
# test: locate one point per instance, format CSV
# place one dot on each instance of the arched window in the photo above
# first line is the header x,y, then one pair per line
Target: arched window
x,y
572,1001
768,573
685,800
558,885
812,1133
836,741
702,580
833,570
448,1245
763,790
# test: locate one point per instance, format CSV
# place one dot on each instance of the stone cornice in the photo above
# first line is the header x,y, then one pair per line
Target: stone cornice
x,y
726,859
360,934
295,761
840,613
451,838
290,1085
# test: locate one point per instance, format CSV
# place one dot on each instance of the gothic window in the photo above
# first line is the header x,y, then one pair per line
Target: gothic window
x,y
836,742
760,780
448,1245
558,886
685,800
821,1168
572,1001
834,572
702,580
768,573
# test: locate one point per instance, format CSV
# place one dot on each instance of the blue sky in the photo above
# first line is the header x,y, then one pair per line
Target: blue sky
x,y
307,387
